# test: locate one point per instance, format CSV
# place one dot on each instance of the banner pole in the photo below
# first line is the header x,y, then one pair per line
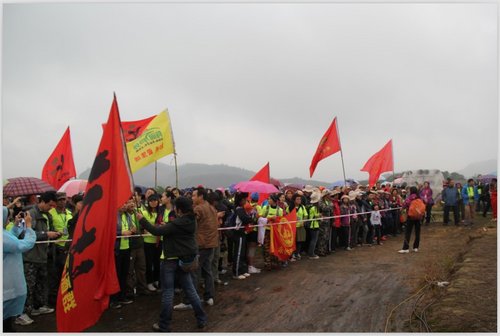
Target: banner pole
x,y
156,174
341,155
176,172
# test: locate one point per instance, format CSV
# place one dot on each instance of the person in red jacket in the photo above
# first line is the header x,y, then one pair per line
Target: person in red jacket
x,y
336,220
493,197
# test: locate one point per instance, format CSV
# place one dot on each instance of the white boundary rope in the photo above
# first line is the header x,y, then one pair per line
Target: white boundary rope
x,y
236,227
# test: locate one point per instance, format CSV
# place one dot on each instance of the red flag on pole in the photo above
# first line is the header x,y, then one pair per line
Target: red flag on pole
x,y
89,275
379,163
328,145
283,235
60,166
262,175
133,129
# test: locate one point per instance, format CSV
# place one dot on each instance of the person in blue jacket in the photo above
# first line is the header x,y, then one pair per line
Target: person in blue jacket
x,y
14,283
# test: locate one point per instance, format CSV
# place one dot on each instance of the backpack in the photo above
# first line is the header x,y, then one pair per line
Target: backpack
x,y
230,222
417,209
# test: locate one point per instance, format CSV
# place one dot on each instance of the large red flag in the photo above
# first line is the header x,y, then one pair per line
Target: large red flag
x,y
328,145
379,163
282,237
60,166
263,175
89,275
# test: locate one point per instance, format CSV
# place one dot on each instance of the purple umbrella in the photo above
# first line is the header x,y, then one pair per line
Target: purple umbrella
x,y
256,186
22,186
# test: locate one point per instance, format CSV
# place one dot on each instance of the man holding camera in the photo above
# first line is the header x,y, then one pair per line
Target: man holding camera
x,y
35,260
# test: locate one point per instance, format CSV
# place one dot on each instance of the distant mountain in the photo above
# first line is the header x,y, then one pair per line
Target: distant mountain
x,y
482,167
193,174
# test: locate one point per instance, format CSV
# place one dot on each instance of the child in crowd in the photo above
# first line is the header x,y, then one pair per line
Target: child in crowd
x,y
376,221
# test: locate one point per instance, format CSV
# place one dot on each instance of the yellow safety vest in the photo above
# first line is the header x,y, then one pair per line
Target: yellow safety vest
x,y
151,218
268,212
60,222
124,243
313,214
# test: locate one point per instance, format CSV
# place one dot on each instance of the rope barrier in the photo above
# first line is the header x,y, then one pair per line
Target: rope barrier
x,y
236,227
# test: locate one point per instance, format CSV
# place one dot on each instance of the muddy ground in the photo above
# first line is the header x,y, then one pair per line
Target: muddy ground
x,y
348,291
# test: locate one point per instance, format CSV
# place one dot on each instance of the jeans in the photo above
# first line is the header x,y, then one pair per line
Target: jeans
x,y
168,271
205,271
312,243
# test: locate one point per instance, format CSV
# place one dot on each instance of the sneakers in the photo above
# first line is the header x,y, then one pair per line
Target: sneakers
x,y
126,301
115,305
156,327
210,302
224,271
42,310
253,270
183,306
404,251
415,250
348,248
246,275
314,257
239,277
201,325
151,287
24,320
298,256
292,259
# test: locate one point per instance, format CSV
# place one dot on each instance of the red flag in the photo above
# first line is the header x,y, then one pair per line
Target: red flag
x,y
263,175
133,129
89,275
379,163
283,236
60,166
329,144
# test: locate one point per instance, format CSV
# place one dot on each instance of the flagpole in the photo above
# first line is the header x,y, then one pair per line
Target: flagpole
x,y
175,152
341,155
176,173
393,174
156,174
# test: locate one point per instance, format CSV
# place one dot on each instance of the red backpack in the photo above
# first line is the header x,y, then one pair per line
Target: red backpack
x,y
417,209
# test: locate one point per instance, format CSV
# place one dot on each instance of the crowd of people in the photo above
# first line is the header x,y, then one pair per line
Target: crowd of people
x,y
177,241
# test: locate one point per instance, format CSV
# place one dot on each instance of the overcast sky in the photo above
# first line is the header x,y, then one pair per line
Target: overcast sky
x,y
250,83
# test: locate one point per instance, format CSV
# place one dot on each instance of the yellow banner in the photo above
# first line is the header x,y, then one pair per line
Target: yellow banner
x,y
154,143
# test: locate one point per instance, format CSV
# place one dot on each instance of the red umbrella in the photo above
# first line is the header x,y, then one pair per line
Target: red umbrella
x,y
21,186
73,187
256,186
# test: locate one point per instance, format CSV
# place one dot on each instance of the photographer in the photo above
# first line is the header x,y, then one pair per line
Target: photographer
x,y
14,284
35,260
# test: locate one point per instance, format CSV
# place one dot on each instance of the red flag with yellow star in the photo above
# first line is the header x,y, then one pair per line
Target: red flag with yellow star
x,y
329,144
283,235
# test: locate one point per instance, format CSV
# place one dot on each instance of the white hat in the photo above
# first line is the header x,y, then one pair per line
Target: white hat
x,y
315,197
308,188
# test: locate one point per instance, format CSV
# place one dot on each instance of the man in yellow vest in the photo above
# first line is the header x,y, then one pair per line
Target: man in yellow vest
x,y
60,218
124,228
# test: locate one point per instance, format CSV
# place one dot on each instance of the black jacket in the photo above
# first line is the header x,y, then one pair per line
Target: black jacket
x,y
179,236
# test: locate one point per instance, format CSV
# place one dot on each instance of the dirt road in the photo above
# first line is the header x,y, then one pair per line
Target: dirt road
x,y
348,291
